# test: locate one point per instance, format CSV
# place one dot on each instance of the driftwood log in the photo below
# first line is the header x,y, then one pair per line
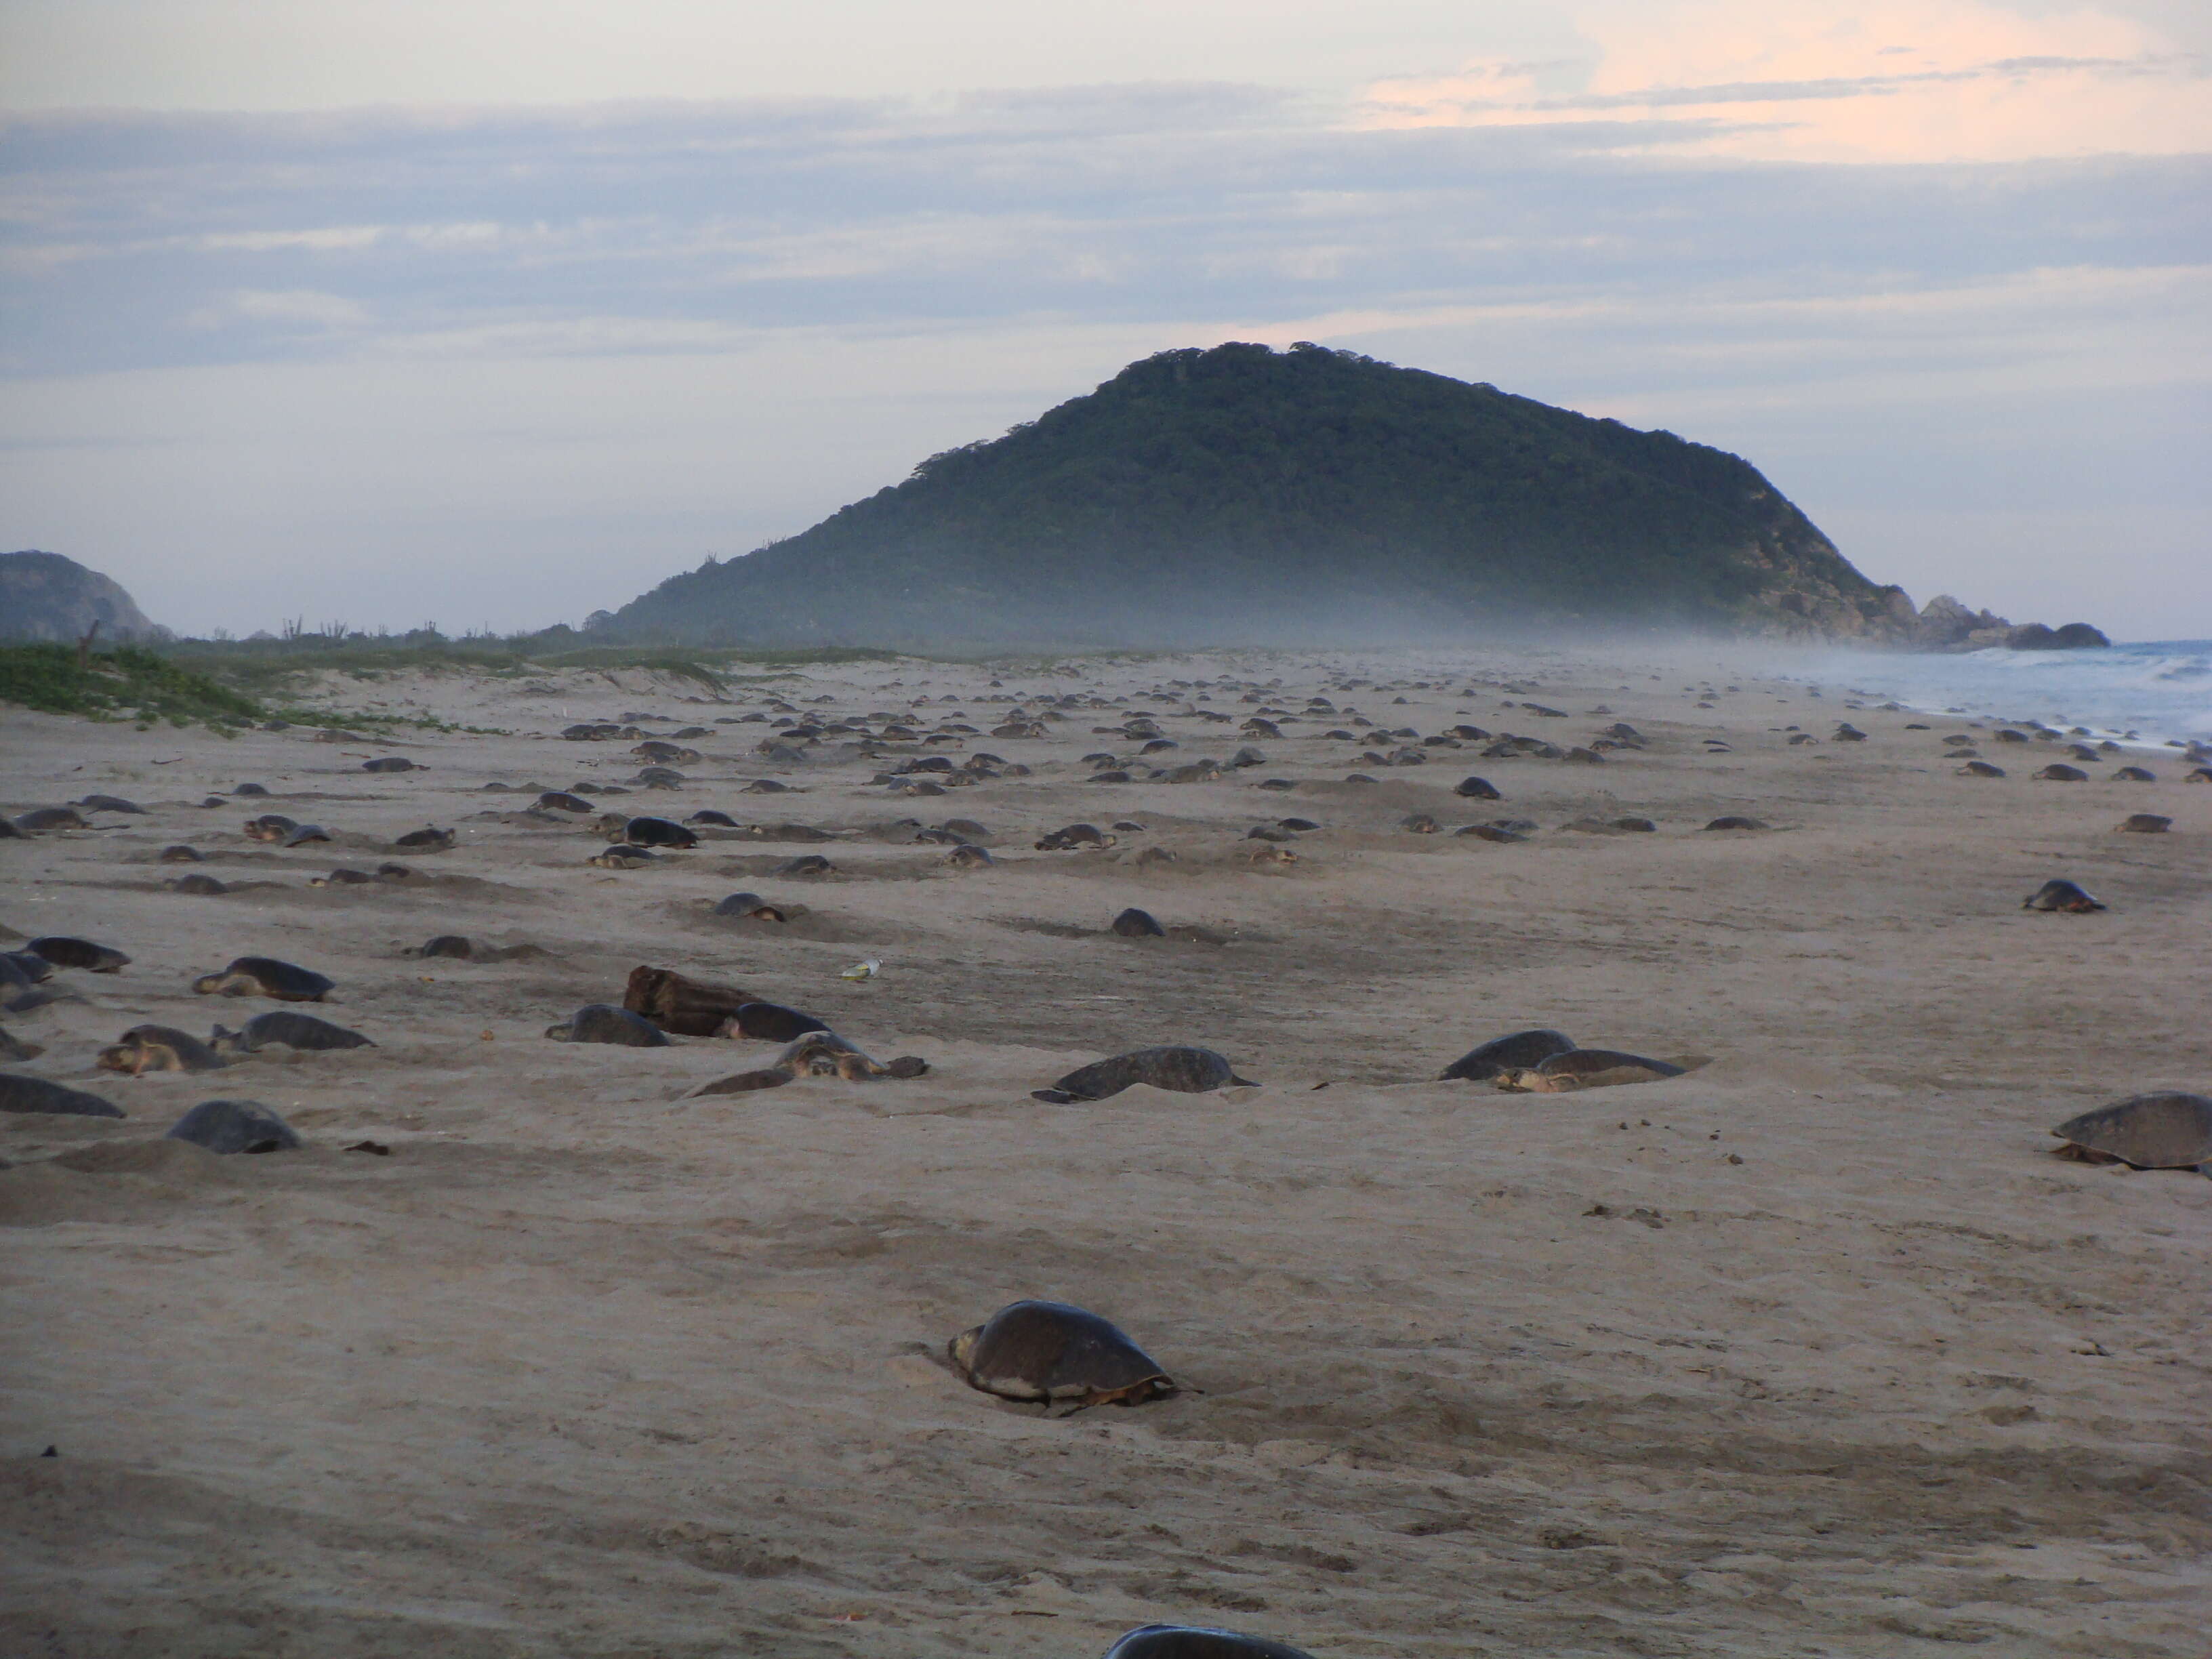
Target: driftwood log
x,y
686,1008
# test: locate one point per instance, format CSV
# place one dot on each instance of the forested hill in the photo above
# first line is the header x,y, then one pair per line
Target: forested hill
x,y
1242,494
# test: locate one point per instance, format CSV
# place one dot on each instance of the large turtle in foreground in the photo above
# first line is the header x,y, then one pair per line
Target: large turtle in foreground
x,y
1199,1642
1178,1067
1507,1054
2170,1130
1057,1354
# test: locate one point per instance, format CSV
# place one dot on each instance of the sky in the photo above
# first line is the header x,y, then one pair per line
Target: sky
x,y
491,314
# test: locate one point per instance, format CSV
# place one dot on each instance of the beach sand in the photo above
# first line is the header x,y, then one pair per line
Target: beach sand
x,y
1813,1349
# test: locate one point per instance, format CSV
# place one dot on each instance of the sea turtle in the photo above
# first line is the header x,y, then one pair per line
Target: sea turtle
x,y
20,968
1073,836
281,1027
1735,821
2135,774
39,819
1585,1068
457,946
2060,895
13,1047
197,883
428,839
1180,1068
1635,826
179,853
269,827
234,1125
815,1053
66,952
806,865
265,977
1979,768
1491,832
1420,824
621,858
2059,772
1507,1054
306,834
2146,823
600,1022
769,1022
767,786
561,801
1199,1642
19,1093
2199,774
1134,923
658,832
389,763
251,789
1477,789
108,804
343,877
1056,1355
708,815
2167,1131
967,856
749,907
145,1048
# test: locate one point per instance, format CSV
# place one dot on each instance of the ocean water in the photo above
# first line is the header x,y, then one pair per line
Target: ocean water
x,y
2158,690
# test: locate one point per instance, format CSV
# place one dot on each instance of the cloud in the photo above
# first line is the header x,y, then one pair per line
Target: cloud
x,y
555,353
1911,81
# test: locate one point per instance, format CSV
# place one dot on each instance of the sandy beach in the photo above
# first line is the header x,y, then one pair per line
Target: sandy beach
x,y
1815,1349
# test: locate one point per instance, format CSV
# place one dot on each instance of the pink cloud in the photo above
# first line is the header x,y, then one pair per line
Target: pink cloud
x,y
1830,80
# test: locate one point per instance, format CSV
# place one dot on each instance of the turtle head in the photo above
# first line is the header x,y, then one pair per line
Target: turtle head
x,y
222,1039
208,984
564,1032
120,1057
962,1349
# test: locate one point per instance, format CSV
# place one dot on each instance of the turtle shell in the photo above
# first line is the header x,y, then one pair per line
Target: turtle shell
x,y
1051,1352
283,981
2059,894
1199,1642
1506,1053
1182,1069
600,1022
2171,1131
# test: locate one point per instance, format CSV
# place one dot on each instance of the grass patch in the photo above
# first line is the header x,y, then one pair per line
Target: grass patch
x,y
127,682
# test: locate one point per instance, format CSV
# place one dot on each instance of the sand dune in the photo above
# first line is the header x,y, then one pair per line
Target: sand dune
x,y
1814,1349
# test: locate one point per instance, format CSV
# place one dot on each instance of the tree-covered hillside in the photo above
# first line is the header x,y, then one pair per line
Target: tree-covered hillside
x,y
1242,494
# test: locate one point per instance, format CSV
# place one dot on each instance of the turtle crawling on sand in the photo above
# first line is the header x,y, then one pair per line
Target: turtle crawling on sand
x,y
145,1048
2060,895
2169,1131
600,1022
265,977
1054,1354
815,1053
1180,1068
283,1027
65,952
1517,1052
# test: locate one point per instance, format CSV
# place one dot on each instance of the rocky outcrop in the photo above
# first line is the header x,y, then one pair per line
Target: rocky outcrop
x,y
1945,624
45,596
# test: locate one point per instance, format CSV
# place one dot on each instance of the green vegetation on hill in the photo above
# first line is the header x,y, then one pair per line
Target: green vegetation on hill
x,y
1242,494
127,682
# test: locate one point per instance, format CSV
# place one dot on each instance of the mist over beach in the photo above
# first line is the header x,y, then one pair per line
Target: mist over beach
x,y
878,832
